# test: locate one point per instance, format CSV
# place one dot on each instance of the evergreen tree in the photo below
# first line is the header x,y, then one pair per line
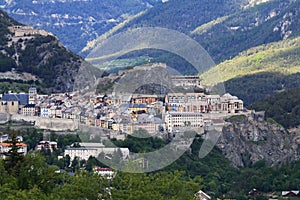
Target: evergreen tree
x,y
13,158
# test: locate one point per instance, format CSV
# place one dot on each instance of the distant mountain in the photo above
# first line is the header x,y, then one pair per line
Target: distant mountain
x,y
268,22
279,57
260,71
75,22
225,29
34,57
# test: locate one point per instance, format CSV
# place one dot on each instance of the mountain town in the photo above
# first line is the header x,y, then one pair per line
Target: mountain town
x,y
79,120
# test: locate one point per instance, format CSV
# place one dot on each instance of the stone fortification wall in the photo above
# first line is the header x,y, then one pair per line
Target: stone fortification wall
x,y
54,124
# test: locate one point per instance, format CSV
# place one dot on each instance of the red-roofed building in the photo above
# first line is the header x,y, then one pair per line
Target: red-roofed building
x,y
5,147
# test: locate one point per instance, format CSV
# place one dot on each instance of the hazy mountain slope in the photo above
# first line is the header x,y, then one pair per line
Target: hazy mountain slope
x,y
74,22
225,29
269,22
184,15
35,59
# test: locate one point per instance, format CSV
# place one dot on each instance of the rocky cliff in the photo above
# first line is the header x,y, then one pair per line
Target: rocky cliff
x,y
245,141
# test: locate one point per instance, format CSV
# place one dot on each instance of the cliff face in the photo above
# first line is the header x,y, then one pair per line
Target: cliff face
x,y
245,141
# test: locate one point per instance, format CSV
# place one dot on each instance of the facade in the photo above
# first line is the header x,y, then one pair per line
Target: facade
x,y
47,145
104,172
93,149
186,81
5,147
45,112
175,120
29,110
13,102
10,106
32,96
149,123
82,153
200,102
138,108
143,99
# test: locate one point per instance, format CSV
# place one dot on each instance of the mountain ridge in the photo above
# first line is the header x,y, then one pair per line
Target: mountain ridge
x,y
39,54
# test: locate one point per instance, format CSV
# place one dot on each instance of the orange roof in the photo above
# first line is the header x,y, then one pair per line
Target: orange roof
x,y
9,144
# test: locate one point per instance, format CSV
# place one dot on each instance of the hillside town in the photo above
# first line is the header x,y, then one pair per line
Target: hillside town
x,y
125,115
119,115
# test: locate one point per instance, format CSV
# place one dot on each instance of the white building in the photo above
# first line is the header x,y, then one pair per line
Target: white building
x,y
5,147
200,102
104,172
176,120
93,149
186,81
45,112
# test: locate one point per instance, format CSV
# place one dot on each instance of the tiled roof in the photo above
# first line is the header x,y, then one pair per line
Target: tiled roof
x,y
29,106
9,144
22,98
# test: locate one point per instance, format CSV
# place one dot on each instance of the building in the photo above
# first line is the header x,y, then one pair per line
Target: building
x,y
176,120
292,193
29,110
138,108
32,96
81,152
104,172
13,102
5,147
47,145
93,149
45,112
149,123
143,99
201,196
200,102
186,81
21,31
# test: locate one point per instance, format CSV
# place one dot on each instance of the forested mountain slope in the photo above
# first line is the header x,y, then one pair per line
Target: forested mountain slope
x,y
34,58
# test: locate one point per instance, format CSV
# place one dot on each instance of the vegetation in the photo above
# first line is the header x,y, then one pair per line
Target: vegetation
x,y
224,29
283,107
279,57
219,177
42,56
253,88
181,180
20,86
33,178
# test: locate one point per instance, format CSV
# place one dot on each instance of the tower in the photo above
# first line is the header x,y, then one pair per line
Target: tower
x,y
32,98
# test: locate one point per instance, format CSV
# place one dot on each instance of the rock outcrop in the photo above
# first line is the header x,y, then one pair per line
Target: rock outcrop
x,y
245,141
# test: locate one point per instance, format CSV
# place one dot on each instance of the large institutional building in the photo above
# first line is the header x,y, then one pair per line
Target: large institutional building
x,y
200,102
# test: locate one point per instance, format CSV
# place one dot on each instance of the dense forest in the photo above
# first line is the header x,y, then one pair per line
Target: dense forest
x,y
253,88
283,107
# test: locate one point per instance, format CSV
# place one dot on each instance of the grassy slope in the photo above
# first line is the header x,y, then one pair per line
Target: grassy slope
x,y
281,57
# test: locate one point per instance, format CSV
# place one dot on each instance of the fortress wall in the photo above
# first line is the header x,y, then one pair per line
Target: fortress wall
x,y
54,124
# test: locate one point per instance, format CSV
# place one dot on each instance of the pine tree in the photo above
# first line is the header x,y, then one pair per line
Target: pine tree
x,y
13,158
